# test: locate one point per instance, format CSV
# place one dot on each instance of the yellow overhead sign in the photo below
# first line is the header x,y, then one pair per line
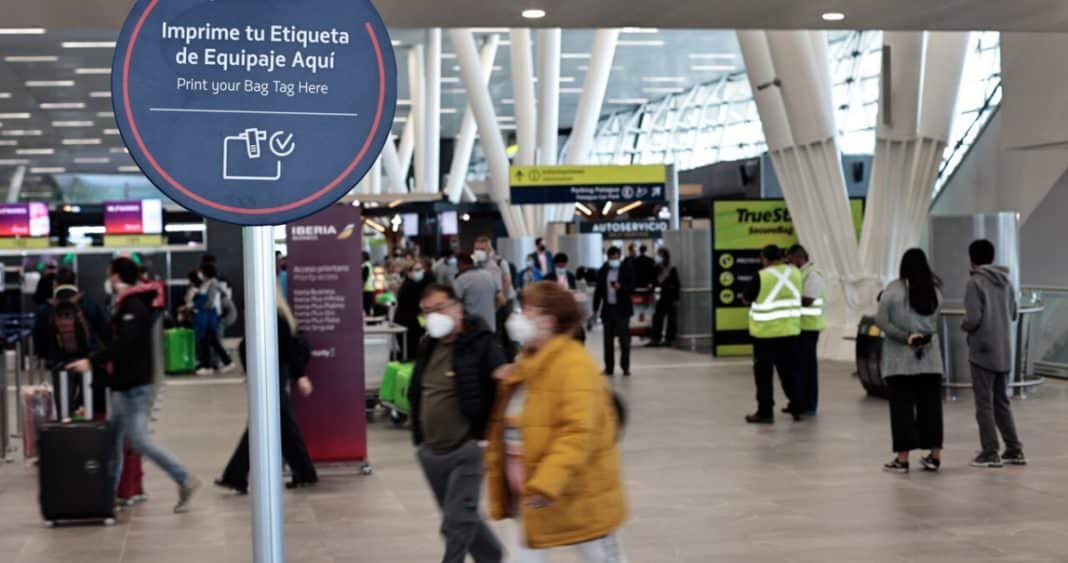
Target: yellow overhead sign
x,y
588,184
587,175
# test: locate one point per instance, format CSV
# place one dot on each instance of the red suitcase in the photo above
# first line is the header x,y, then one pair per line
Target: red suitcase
x,y
131,482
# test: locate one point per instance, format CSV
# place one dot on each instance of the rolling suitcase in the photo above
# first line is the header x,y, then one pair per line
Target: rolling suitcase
x,y
180,350
75,467
37,407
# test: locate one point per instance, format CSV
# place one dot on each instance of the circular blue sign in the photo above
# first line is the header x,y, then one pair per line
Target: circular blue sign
x,y
254,112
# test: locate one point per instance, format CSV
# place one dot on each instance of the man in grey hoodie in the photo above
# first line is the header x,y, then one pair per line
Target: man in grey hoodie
x,y
990,309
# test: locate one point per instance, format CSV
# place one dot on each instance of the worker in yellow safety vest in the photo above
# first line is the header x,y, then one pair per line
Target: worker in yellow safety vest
x,y
812,324
774,299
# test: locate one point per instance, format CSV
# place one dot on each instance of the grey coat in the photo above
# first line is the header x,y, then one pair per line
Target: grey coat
x,y
989,311
898,320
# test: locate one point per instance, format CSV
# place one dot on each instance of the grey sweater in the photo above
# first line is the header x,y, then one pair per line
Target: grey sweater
x,y
989,311
898,320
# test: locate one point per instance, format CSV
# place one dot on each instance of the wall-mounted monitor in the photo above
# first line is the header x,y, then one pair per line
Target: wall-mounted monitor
x,y
144,217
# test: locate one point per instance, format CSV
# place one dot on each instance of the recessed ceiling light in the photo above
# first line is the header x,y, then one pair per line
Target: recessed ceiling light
x,y
713,56
534,14
73,142
13,161
627,101
508,102
571,90
9,143
101,94
22,31
574,55
63,105
21,133
660,79
505,118
5,95
450,79
92,160
507,127
129,169
31,59
453,91
49,83
489,30
567,79
88,44
118,150
105,114
31,152
400,120
396,43
833,16
640,43
663,90
640,30
48,170
712,68
404,102
92,71
111,132
72,124
14,115
448,110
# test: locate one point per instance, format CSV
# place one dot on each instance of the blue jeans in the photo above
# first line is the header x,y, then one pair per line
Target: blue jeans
x,y
129,416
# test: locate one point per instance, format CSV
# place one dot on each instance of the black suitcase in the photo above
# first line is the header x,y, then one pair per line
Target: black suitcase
x,y
76,468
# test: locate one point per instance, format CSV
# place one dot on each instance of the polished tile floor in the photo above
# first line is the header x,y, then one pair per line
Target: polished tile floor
x,y
703,486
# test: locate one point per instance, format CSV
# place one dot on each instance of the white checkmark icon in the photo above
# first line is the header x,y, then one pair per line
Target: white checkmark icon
x,y
280,146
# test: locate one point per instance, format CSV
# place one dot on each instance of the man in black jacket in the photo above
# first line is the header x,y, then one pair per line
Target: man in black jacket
x,y
128,351
451,394
615,285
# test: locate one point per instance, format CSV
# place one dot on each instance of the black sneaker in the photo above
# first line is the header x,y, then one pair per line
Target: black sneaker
x,y
897,466
931,463
988,460
1014,457
760,419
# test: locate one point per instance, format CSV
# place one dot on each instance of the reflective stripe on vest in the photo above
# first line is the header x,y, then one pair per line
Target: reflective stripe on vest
x,y
777,311
812,316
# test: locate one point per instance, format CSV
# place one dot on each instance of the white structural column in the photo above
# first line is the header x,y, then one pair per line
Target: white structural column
x,y
790,78
432,103
406,148
481,103
376,176
526,114
919,86
548,64
465,142
589,107
548,95
390,162
416,78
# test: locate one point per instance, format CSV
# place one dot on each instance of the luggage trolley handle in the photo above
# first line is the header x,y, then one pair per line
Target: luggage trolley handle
x,y
64,395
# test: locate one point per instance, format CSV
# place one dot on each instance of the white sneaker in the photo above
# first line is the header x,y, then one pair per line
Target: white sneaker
x,y
229,368
204,372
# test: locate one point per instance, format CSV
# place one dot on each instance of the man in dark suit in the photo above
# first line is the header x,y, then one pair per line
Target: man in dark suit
x,y
545,258
615,284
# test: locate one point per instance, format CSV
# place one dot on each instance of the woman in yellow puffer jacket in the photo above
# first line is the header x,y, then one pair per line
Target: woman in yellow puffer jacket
x,y
553,460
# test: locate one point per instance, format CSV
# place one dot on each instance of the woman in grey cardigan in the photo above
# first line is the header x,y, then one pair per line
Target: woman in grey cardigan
x,y
912,361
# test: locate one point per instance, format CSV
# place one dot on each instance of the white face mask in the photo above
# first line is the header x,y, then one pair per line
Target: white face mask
x,y
614,264
417,275
439,325
480,256
451,261
521,329
658,260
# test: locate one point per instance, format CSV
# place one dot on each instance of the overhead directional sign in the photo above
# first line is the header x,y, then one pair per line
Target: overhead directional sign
x,y
254,111
623,229
588,184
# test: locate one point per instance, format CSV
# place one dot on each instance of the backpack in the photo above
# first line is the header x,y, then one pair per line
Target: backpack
x,y
302,354
73,339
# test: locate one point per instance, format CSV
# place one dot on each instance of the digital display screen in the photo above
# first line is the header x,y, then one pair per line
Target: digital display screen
x,y
143,217
24,220
449,223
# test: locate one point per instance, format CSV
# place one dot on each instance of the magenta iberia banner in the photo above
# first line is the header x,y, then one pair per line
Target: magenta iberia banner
x,y
325,292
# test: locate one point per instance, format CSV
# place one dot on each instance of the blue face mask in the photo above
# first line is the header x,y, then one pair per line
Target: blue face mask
x,y
614,264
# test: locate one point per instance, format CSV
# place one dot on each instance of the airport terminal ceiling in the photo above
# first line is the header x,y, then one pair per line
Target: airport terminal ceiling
x,y
964,15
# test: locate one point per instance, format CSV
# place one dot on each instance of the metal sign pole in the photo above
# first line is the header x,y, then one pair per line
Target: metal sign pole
x,y
673,195
261,320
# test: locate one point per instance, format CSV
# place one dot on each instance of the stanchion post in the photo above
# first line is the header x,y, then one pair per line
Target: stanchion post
x,y
261,338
